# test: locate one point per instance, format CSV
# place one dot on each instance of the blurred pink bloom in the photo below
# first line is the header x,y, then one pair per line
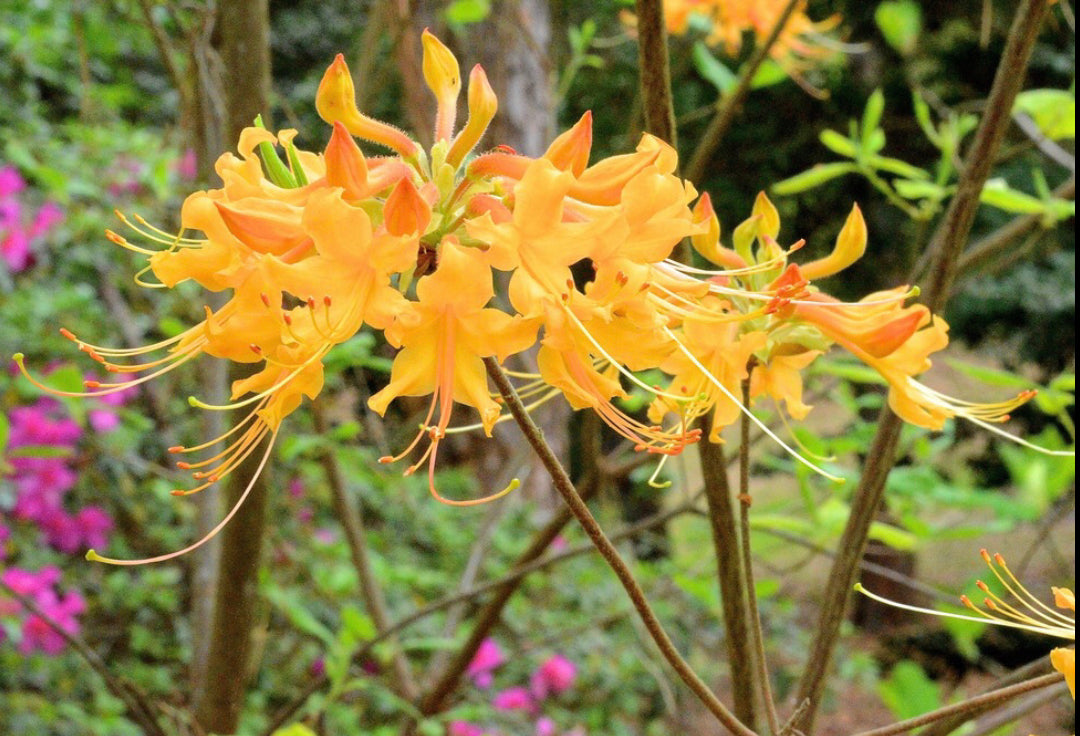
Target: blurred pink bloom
x,y
545,727
15,250
487,658
94,525
463,728
296,488
556,675
558,544
103,420
47,217
11,182
514,698
325,535
17,237
187,166
317,668
37,635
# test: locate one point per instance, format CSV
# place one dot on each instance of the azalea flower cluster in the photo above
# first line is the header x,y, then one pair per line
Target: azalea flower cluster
x,y
314,246
21,227
41,450
553,677
802,42
41,586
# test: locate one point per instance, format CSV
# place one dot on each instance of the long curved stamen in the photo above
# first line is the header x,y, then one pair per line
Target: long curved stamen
x,y
315,356
659,466
983,617
1021,593
616,364
749,414
19,359
506,417
156,234
93,556
121,352
254,413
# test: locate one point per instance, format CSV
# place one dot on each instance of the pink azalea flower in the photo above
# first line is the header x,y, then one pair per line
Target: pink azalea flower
x,y
94,525
103,420
514,698
556,675
487,658
186,166
11,182
545,727
47,217
464,728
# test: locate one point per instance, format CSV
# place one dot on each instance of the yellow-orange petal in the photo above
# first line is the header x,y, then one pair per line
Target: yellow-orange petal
x,y
570,150
1064,661
850,246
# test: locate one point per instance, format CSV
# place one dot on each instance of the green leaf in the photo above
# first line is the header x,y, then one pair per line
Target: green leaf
x,y
768,74
357,623
908,692
992,376
909,189
296,729
811,178
871,120
1053,110
998,194
712,69
896,538
292,606
900,23
898,167
838,143
462,12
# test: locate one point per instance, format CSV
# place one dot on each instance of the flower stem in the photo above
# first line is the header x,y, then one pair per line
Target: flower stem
x,y
729,562
607,550
993,697
745,502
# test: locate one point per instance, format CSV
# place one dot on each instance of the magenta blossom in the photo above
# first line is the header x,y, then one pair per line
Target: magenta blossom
x,y
556,675
63,611
17,235
464,728
545,726
514,698
488,657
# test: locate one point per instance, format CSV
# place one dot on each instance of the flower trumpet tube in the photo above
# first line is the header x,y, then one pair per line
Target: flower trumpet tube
x,y
337,241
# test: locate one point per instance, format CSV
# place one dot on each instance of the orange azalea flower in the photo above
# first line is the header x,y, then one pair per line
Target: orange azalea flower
x,y
313,250
797,49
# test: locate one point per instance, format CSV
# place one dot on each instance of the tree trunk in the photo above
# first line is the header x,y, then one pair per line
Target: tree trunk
x,y
243,35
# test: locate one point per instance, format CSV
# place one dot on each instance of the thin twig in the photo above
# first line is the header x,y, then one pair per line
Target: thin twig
x,y
723,523
946,246
745,501
991,698
725,112
352,522
946,726
607,550
136,702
